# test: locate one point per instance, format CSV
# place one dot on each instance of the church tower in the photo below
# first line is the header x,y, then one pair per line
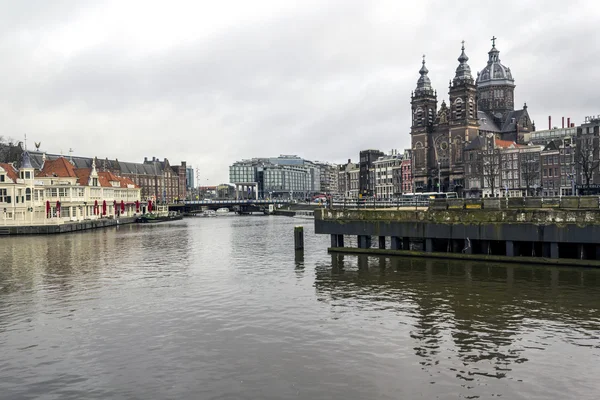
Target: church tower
x,y
424,109
463,119
495,87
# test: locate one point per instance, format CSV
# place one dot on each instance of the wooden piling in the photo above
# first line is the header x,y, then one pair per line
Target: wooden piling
x,y
299,238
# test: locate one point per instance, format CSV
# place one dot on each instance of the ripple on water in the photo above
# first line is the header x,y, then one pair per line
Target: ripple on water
x,y
222,308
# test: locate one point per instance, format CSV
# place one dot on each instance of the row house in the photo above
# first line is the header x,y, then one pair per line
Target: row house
x,y
59,192
587,156
158,180
349,180
496,167
385,187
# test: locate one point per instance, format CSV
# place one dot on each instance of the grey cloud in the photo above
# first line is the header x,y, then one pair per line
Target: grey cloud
x,y
322,82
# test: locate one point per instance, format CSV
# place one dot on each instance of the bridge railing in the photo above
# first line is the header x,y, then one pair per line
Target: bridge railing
x,y
241,201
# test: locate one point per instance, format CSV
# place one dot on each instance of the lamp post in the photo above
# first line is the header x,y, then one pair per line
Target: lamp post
x,y
439,177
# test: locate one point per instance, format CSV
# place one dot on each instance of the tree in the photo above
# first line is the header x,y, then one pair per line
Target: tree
x,y
586,159
10,151
490,163
530,172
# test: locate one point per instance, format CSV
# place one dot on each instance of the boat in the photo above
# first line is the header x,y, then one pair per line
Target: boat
x,y
209,213
154,217
223,211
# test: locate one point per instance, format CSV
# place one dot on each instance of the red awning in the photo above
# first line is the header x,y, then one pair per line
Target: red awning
x,y
103,207
122,207
58,208
149,205
47,209
137,206
96,207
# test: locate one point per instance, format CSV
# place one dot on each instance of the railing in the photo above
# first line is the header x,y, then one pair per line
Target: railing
x,y
374,204
489,203
241,201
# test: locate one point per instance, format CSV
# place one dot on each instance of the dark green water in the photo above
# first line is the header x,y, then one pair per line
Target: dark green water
x,y
221,308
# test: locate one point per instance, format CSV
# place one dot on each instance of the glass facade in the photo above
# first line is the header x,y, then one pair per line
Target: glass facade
x,y
285,176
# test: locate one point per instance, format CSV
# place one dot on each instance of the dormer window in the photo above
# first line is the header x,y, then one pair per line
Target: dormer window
x,y
94,181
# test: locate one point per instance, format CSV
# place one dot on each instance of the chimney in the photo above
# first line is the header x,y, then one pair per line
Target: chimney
x,y
568,122
563,122
549,122
349,161
572,124
145,159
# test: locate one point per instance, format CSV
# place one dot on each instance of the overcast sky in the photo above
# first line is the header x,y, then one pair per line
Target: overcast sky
x,y
212,82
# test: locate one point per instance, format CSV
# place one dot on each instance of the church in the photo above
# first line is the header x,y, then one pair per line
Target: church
x,y
476,107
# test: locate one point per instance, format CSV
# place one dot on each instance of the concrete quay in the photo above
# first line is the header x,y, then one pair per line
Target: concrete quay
x,y
534,235
65,227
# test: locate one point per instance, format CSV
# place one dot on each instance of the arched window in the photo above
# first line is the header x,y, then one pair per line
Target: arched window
x,y
458,108
419,116
28,194
430,117
471,108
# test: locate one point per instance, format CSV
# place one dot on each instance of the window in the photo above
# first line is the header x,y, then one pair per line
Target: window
x,y
28,194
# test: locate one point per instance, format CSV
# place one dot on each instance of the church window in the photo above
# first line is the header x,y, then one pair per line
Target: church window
x,y
430,120
458,106
471,108
419,116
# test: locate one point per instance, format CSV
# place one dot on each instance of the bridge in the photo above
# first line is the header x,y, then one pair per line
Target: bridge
x,y
243,206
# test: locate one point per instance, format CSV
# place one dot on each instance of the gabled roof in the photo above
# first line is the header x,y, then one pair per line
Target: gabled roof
x,y
106,177
509,125
476,144
59,168
11,172
486,122
553,145
126,181
83,175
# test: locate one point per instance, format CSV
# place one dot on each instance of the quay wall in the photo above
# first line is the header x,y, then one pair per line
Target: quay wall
x,y
540,233
64,228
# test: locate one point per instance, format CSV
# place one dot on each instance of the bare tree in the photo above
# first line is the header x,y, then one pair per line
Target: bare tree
x,y
586,159
490,166
530,172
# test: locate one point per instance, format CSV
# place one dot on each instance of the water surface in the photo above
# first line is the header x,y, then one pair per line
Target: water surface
x,y
222,308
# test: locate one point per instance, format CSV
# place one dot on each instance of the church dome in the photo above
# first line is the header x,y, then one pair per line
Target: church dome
x,y
494,72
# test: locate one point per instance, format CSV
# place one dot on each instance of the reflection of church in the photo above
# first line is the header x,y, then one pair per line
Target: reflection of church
x,y
476,107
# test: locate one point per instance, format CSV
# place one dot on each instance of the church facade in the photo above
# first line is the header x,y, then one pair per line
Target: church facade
x,y
475,107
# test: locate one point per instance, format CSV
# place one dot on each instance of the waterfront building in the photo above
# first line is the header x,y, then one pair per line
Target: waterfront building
x,y
587,156
384,167
477,107
406,179
366,184
496,167
348,178
543,137
58,192
286,176
329,177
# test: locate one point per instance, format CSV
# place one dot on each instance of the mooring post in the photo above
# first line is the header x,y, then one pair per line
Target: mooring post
x,y
299,238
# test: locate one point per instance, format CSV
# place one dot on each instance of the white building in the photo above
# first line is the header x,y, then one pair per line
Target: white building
x,y
384,174
59,193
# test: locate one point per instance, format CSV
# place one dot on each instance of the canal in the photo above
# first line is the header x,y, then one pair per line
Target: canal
x,y
222,308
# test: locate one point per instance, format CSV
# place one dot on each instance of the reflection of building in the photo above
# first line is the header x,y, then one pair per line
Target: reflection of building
x,y
476,107
283,176
58,191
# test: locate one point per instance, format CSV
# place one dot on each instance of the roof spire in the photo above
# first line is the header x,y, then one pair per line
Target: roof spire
x,y
463,71
424,84
493,39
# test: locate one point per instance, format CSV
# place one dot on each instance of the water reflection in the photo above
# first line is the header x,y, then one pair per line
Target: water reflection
x,y
485,317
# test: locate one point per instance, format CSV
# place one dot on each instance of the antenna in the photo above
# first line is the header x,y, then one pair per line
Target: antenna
x,y
70,154
25,143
